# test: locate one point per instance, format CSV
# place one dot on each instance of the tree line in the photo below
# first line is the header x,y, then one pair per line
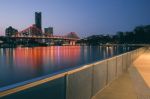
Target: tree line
x,y
140,35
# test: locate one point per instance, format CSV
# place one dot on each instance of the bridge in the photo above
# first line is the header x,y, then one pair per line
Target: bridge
x,y
33,33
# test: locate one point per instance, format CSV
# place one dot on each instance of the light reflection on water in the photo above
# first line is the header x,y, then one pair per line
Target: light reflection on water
x,y
21,64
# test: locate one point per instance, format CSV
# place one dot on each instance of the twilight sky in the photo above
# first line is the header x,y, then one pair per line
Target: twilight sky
x,y
86,17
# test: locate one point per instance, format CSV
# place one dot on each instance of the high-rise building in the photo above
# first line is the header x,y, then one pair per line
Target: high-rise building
x,y
10,31
48,31
38,20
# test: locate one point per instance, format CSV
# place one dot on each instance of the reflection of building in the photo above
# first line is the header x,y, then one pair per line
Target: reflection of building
x,y
38,20
10,31
48,31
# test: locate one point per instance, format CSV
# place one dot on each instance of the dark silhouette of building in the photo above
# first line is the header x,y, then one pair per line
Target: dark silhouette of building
x,y
38,20
10,31
48,31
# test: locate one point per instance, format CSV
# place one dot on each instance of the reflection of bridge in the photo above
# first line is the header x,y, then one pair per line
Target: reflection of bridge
x,y
33,32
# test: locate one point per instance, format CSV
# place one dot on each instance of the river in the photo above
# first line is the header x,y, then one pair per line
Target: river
x,y
23,64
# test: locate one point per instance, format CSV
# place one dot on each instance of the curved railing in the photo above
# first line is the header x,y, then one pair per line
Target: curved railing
x,y
81,83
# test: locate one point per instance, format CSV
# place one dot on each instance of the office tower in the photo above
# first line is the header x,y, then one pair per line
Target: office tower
x,y
48,31
10,31
38,20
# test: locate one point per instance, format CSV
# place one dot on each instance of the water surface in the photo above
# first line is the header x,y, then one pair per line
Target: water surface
x,y
22,64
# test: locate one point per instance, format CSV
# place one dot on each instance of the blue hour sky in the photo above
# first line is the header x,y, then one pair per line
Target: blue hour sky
x,y
86,17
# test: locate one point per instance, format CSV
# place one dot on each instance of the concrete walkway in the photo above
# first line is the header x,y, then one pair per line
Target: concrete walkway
x,y
134,84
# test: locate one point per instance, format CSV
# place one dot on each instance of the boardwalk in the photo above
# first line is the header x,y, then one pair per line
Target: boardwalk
x,y
134,84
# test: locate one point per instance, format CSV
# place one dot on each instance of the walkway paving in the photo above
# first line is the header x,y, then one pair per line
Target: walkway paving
x,y
134,84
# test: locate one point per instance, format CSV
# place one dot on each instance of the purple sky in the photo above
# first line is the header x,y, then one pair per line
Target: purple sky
x,y
86,17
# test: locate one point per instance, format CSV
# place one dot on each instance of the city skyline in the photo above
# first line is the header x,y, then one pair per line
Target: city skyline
x,y
85,17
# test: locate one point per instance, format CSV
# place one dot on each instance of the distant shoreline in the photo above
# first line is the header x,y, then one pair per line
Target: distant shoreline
x,y
104,45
